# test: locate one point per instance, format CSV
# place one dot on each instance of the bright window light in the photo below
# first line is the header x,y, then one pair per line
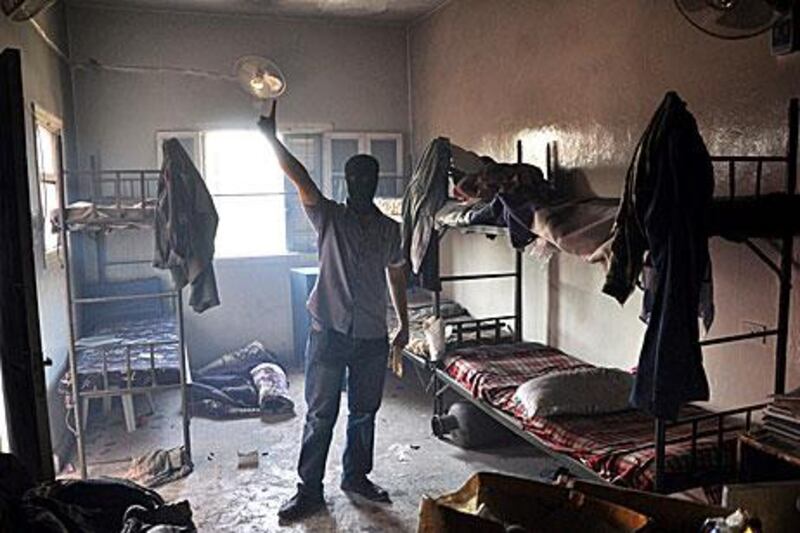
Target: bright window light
x,y
48,169
243,175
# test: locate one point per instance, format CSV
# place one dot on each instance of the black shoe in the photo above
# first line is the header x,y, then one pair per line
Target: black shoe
x,y
366,488
300,506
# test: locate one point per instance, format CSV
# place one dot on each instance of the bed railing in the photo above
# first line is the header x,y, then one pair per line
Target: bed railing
x,y
734,163
718,426
485,330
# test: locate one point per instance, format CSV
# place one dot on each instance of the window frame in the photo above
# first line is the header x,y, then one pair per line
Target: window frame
x,y
364,139
198,141
55,126
288,129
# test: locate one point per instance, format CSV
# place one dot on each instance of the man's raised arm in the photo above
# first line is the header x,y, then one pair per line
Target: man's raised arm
x,y
306,188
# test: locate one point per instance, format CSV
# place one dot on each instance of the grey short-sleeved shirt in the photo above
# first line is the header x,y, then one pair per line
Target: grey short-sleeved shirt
x,y
354,251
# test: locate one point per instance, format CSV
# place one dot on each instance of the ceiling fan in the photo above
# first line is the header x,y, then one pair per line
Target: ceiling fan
x,y
260,77
21,10
742,19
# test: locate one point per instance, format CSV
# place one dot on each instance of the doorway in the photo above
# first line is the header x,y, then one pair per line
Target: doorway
x,y
21,361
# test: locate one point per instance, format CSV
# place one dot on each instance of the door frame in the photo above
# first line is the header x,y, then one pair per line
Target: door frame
x,y
21,358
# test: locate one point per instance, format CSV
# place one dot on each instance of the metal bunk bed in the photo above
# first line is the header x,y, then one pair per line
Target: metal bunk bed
x,y
727,220
139,361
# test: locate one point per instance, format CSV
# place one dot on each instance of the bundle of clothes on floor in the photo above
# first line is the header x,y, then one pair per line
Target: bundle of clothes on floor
x,y
84,506
246,382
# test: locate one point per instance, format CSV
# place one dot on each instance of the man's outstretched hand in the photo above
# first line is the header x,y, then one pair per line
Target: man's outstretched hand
x,y
267,123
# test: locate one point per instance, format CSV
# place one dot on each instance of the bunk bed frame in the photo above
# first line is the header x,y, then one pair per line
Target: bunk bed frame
x,y
131,205
726,422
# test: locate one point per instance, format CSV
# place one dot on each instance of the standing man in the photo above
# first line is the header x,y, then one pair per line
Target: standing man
x,y
359,249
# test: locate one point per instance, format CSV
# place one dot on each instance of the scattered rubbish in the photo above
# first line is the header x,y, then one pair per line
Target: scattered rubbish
x,y
248,459
403,451
160,466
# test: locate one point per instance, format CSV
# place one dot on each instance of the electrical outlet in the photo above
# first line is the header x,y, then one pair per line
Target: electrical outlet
x,y
751,326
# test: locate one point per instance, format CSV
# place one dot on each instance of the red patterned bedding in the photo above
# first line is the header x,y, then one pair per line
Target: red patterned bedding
x,y
618,446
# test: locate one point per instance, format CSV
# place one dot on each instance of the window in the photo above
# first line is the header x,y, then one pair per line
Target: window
x,y
247,184
387,148
306,147
47,131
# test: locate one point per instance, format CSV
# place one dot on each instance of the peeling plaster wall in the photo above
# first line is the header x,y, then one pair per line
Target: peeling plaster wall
x,y
589,75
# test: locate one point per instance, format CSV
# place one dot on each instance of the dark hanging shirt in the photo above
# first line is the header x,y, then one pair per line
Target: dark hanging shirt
x,y
354,252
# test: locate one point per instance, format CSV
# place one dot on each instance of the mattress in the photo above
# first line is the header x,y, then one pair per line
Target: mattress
x,y
90,215
102,358
618,446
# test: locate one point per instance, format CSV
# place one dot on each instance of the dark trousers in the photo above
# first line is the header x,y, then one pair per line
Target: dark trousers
x,y
328,354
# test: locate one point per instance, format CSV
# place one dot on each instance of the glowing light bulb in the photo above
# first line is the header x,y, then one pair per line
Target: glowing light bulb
x,y
257,83
275,84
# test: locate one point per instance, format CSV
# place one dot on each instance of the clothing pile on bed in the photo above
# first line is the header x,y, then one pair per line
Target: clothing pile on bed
x,y
487,193
83,215
246,382
84,506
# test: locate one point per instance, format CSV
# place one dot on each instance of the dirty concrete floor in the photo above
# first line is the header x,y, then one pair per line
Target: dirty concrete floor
x,y
409,462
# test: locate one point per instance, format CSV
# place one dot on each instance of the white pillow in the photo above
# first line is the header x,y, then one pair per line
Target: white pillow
x,y
580,391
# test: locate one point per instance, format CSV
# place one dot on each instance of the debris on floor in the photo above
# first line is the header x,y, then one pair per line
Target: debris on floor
x,y
248,459
403,451
160,466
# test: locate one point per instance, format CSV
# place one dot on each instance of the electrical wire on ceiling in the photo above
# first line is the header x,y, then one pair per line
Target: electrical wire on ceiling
x,y
95,65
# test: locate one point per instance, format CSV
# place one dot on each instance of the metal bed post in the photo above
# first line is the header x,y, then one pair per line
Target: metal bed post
x,y
437,311
660,459
518,271
73,364
187,440
787,250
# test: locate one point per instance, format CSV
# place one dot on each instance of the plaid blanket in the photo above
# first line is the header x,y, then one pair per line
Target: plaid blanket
x,y
618,446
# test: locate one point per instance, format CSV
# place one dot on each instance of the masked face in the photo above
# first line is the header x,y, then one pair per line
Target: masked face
x,y
361,176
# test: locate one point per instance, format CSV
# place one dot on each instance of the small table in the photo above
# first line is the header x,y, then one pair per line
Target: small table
x,y
764,456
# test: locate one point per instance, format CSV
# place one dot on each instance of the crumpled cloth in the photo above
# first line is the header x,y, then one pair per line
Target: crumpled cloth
x,y
247,382
160,467
85,506
273,389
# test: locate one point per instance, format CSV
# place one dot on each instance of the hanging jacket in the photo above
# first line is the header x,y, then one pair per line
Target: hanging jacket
x,y
664,211
425,195
185,227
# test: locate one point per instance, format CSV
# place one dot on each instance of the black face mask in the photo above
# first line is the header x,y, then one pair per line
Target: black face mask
x,y
360,192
